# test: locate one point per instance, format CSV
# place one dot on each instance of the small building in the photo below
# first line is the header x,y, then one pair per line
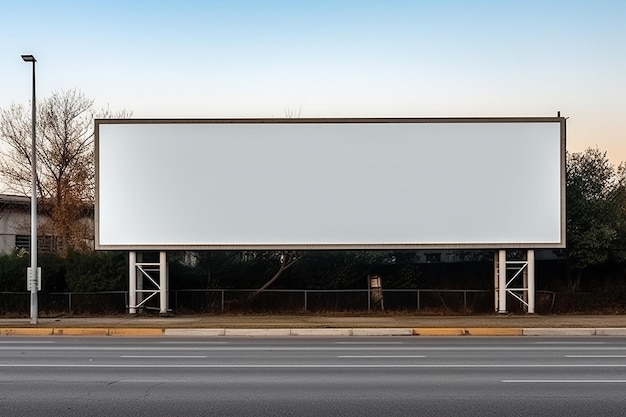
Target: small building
x,y
15,221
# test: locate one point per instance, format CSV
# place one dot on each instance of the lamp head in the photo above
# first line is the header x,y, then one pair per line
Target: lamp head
x,y
29,58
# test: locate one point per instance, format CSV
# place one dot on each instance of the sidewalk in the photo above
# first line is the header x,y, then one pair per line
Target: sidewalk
x,y
311,325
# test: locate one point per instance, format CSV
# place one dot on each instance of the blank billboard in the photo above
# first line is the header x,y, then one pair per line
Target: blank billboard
x,y
330,183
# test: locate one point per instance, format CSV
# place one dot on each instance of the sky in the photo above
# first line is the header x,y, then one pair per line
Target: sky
x,y
335,58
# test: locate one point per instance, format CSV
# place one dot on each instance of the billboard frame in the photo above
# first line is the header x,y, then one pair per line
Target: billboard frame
x,y
336,246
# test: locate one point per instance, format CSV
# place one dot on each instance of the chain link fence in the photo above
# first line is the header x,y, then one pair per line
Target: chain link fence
x,y
217,301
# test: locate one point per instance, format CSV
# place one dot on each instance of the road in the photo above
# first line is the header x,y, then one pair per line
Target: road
x,y
413,376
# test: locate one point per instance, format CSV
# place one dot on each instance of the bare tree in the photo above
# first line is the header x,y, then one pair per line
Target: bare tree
x,y
292,113
15,163
287,259
65,160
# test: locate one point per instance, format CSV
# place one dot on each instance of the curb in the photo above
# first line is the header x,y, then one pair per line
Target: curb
x,y
312,332
26,331
79,331
382,332
135,332
611,331
321,332
290,332
257,332
461,331
194,332
503,331
442,331
560,332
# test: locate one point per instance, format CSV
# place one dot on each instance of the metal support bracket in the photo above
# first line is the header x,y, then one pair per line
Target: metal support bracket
x,y
146,280
514,278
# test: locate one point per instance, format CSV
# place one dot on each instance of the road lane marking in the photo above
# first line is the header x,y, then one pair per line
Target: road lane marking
x,y
26,343
151,381
161,357
193,343
570,343
308,366
564,381
369,343
379,356
313,348
595,356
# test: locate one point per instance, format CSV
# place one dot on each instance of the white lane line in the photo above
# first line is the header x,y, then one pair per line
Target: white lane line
x,y
564,381
152,381
193,343
161,357
26,343
307,366
369,343
595,356
314,348
569,343
379,356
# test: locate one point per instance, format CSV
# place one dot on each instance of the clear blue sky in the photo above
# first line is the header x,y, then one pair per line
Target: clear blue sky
x,y
330,58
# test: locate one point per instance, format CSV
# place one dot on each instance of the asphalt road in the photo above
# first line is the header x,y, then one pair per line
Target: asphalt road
x,y
413,376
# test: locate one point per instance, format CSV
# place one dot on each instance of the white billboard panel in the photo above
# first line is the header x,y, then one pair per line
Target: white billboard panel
x,y
330,183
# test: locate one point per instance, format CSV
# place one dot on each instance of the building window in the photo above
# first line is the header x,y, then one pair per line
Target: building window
x,y
22,242
45,244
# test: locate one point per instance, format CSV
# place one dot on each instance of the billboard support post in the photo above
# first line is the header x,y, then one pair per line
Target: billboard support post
x,y
530,285
132,282
163,283
496,280
144,284
509,272
139,284
501,289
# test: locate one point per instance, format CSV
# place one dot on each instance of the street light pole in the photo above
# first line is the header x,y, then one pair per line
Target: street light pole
x,y
33,278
